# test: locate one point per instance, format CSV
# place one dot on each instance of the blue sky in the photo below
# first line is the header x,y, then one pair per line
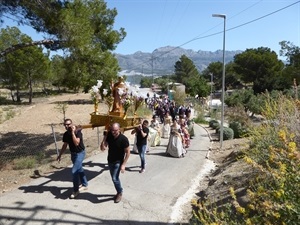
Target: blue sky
x,y
151,24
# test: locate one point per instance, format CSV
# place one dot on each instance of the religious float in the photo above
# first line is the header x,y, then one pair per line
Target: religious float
x,y
119,99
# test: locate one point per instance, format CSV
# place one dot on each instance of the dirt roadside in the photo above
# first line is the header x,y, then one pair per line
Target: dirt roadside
x,y
36,120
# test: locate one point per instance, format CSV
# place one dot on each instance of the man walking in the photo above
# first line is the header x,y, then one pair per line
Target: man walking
x,y
142,132
74,139
118,154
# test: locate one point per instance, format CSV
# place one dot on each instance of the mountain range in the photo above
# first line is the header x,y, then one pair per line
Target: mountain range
x,y
162,60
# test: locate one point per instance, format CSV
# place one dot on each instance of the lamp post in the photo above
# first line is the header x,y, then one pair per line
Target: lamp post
x,y
211,89
223,80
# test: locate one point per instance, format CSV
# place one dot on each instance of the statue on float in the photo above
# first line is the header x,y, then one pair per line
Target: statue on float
x,y
121,97
118,89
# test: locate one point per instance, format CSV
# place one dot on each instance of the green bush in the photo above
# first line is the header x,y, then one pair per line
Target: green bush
x,y
24,163
211,122
228,133
237,129
200,119
239,121
216,125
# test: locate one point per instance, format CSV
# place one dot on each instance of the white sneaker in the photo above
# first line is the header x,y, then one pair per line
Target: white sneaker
x,y
74,195
82,188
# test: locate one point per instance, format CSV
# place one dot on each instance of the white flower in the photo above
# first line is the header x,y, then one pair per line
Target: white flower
x,y
95,89
121,91
105,91
127,84
99,83
135,94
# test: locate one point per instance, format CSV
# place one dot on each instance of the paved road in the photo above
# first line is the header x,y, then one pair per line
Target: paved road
x,y
155,197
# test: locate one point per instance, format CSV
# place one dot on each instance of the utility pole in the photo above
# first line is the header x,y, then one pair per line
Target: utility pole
x,y
211,88
152,68
223,79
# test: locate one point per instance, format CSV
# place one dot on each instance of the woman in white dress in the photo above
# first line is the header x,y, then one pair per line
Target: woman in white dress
x,y
175,146
154,132
166,129
190,121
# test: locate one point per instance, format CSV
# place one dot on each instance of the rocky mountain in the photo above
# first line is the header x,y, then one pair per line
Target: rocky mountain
x,y
162,60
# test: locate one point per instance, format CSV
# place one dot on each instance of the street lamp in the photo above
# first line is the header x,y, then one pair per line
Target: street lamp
x,y
211,89
223,80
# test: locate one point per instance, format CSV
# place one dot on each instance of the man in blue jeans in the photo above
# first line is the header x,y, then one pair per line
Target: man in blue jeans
x,y
74,139
118,154
142,132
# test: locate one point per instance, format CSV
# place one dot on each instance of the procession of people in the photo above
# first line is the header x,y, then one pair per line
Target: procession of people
x,y
169,121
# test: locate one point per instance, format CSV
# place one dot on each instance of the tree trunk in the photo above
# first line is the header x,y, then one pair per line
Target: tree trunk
x,y
30,89
18,96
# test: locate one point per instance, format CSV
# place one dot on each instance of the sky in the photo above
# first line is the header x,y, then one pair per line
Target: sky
x,y
151,24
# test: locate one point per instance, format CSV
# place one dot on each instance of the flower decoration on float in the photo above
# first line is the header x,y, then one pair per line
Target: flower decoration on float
x,y
109,100
137,98
130,95
95,95
126,98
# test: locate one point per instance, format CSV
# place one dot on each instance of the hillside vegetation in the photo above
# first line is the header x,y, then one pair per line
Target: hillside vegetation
x,y
258,183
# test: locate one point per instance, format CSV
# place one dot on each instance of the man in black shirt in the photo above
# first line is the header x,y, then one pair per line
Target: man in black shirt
x,y
73,139
118,154
142,132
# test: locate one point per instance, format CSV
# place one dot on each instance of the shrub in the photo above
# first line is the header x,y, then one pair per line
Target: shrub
x,y
179,96
200,118
213,113
239,121
10,114
237,129
274,154
211,122
228,133
24,163
215,125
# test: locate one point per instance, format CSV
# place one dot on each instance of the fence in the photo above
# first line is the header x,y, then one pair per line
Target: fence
x,y
20,145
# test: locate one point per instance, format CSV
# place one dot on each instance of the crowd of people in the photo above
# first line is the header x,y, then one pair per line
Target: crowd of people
x,y
169,121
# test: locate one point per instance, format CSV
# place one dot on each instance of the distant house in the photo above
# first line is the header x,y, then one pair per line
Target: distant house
x,y
172,86
178,87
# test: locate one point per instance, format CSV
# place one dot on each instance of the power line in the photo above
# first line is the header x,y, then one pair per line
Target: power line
x,y
219,32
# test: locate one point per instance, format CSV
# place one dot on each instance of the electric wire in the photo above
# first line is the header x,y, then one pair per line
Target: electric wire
x,y
219,32
162,19
205,36
231,17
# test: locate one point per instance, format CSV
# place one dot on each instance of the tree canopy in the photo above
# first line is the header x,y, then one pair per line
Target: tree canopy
x,y
22,67
262,68
77,25
187,74
83,29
